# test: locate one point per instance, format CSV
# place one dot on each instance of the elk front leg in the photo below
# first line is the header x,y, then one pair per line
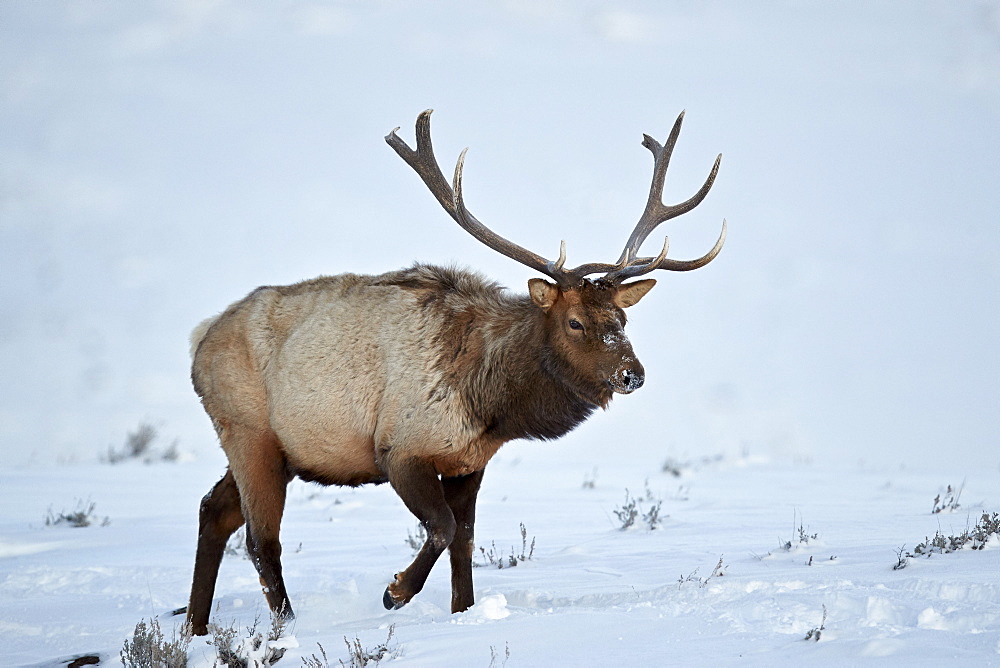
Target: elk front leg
x,y
417,484
460,493
218,518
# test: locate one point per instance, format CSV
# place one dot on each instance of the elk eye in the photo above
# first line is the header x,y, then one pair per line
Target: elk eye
x,y
575,324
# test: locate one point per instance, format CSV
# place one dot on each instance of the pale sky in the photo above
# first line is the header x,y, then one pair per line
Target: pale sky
x,y
162,159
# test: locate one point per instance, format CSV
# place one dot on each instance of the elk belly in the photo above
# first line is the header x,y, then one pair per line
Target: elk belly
x,y
346,461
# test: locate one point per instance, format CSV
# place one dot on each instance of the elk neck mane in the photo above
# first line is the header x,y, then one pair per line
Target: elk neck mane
x,y
493,350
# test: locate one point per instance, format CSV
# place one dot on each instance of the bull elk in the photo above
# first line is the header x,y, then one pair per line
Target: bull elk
x,y
415,377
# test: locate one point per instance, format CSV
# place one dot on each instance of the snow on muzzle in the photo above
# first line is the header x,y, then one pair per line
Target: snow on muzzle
x,y
628,378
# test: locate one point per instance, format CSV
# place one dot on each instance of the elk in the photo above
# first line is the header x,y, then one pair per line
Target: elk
x,y
414,377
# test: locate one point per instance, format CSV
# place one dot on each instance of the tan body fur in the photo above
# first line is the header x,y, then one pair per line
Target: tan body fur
x,y
339,364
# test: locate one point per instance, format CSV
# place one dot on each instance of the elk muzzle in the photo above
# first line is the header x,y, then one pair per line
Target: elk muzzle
x,y
628,378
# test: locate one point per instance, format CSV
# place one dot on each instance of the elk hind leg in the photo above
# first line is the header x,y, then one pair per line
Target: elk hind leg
x,y
460,492
219,516
417,484
262,476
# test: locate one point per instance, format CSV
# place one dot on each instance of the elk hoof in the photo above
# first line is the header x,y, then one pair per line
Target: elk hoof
x,y
391,603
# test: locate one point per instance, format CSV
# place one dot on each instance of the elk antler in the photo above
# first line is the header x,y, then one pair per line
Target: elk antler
x,y
657,212
425,165
423,162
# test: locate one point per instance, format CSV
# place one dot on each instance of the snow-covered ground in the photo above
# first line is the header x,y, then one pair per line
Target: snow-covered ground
x,y
162,159
591,595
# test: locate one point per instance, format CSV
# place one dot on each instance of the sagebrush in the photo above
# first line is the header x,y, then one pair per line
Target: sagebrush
x,y
693,578
648,508
815,632
251,649
800,535
148,648
139,446
947,501
494,557
973,538
358,656
417,538
83,516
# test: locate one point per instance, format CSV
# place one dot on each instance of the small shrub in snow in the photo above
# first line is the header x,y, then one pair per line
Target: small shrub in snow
x,y
417,539
802,537
255,650
493,556
138,445
149,649
313,661
717,572
674,467
494,656
833,557
692,577
947,502
901,559
652,516
627,512
677,467
359,657
632,509
83,516
974,538
816,631
171,454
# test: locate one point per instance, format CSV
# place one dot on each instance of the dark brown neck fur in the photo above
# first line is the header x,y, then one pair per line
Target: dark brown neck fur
x,y
522,389
494,352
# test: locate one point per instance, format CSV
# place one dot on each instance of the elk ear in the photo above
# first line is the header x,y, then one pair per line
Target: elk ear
x,y
629,294
543,293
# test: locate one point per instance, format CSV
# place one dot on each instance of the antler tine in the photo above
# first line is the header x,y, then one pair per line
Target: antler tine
x,y
654,202
423,162
557,266
645,265
657,212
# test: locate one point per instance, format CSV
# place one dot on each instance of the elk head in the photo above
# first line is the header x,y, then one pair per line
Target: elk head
x,y
584,317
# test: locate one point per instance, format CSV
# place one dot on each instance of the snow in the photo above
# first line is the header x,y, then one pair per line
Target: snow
x,y
834,369
591,594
